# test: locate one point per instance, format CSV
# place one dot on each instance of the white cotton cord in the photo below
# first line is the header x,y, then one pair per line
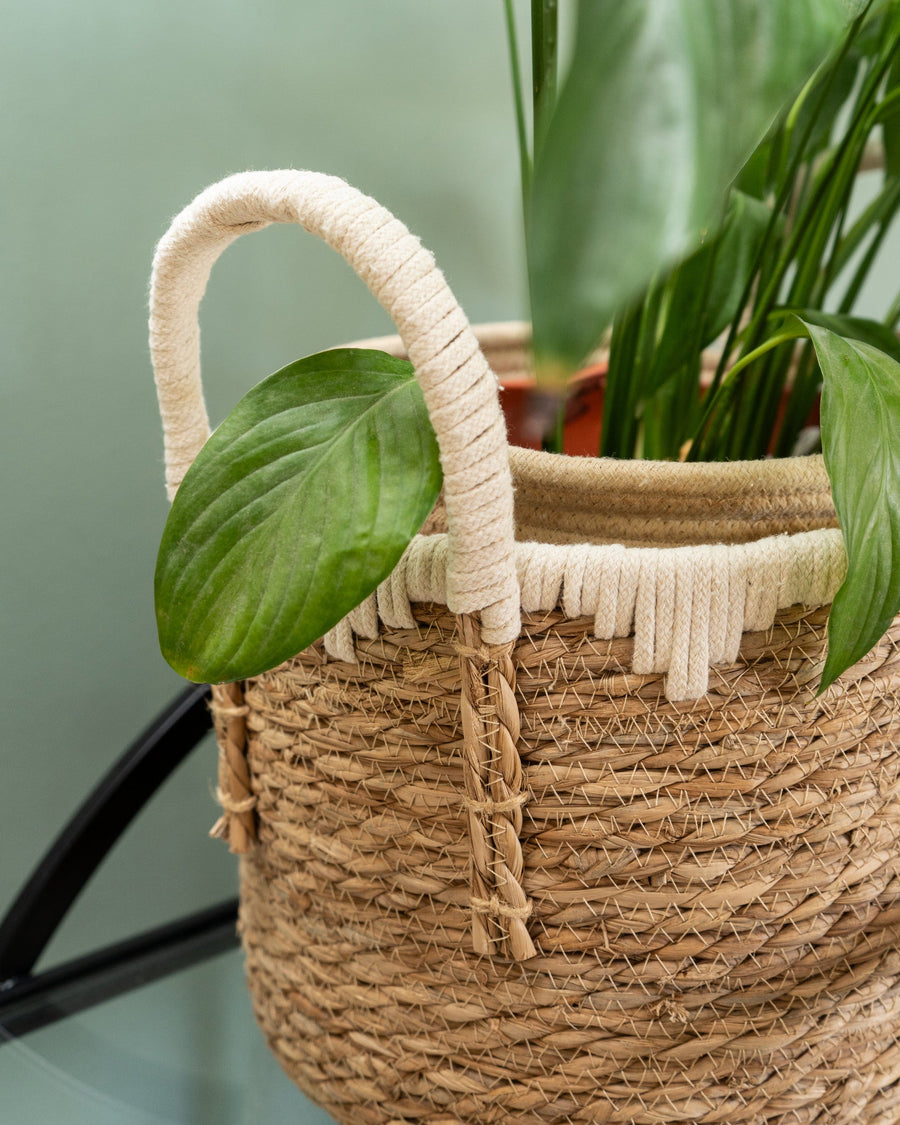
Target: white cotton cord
x,y
364,619
403,617
607,605
629,576
644,658
697,672
664,610
540,577
575,566
339,641
459,388
718,602
738,568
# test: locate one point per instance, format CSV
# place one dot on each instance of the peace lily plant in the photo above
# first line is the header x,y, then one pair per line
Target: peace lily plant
x,y
687,182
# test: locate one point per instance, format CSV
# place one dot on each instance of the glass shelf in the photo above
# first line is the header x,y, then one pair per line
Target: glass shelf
x,y
182,1051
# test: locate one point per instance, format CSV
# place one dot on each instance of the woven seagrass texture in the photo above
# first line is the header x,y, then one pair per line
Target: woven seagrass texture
x,y
714,885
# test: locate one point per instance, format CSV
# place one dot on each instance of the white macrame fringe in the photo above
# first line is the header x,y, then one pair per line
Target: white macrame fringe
x,y
687,607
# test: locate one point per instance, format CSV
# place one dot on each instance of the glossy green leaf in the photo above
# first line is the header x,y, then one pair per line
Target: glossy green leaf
x,y
860,328
706,289
661,106
300,503
860,428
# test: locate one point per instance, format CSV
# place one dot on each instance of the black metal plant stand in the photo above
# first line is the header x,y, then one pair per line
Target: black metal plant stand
x,y
29,1001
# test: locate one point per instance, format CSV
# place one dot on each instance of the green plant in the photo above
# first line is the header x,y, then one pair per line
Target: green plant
x,y
689,177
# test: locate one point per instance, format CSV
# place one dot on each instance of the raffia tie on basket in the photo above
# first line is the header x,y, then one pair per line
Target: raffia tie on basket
x,y
494,796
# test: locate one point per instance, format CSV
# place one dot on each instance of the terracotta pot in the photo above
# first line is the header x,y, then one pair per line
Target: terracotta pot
x,y
584,411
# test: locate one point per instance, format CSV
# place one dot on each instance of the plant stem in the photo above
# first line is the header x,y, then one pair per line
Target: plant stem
x,y
728,387
521,131
807,380
812,215
862,273
807,254
892,317
619,424
543,77
544,39
880,211
774,342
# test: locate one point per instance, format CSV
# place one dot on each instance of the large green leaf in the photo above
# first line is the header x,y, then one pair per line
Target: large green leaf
x,y
861,444
300,503
662,104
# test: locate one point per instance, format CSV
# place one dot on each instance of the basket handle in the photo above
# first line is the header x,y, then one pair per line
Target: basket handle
x,y
460,393
459,387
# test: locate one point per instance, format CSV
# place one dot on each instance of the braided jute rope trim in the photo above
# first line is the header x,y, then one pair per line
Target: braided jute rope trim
x,y
494,797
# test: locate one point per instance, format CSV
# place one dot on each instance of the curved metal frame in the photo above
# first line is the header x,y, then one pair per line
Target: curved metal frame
x,y
29,1001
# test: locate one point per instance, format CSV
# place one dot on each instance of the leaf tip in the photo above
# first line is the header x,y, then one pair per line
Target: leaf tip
x,y
824,685
831,672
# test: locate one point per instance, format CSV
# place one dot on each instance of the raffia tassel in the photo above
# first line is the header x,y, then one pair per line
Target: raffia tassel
x,y
237,825
671,1010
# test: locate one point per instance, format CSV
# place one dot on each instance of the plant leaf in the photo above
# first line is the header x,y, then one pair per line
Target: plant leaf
x,y
662,104
706,289
860,328
814,118
300,503
890,122
860,424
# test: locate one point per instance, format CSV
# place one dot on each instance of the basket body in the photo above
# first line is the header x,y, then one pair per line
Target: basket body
x,y
715,901
587,848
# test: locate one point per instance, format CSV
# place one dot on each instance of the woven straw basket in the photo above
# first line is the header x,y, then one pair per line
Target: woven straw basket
x,y
553,827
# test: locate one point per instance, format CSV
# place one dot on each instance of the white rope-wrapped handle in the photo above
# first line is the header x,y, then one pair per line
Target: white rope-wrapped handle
x,y
459,387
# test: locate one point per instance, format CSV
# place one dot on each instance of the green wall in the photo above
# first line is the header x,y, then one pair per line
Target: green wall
x,y
112,117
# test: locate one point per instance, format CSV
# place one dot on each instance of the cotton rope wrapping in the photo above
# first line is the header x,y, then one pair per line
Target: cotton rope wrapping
x,y
459,388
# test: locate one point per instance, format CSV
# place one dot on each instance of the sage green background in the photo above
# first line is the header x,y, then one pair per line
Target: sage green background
x,y
112,117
